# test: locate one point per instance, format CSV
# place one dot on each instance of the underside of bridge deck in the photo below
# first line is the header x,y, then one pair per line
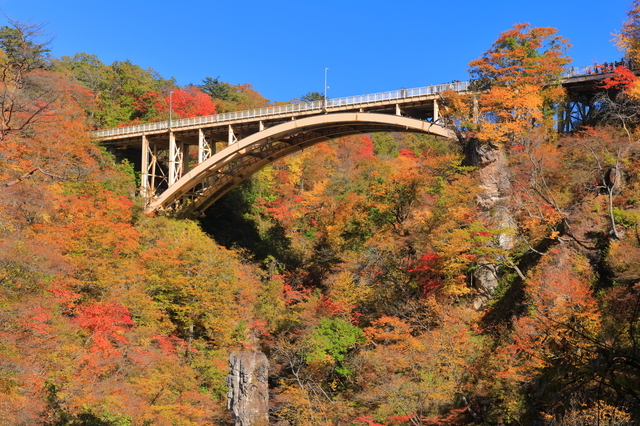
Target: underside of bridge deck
x,y
200,187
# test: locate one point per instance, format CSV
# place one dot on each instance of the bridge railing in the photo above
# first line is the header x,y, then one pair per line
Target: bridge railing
x,y
283,109
458,86
604,68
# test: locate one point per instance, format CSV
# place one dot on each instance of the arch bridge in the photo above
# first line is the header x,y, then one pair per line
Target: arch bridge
x,y
189,164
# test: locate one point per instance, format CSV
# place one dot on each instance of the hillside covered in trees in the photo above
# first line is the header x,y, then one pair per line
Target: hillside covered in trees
x,y
391,279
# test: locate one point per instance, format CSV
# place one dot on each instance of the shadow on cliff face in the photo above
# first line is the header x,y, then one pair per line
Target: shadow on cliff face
x,y
510,299
228,223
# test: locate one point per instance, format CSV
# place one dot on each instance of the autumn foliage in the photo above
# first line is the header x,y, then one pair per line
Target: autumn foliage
x,y
357,265
191,102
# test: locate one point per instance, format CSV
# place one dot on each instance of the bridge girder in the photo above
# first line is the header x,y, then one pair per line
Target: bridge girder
x,y
199,188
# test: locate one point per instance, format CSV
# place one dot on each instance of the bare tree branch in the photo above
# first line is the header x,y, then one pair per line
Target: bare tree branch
x,y
26,175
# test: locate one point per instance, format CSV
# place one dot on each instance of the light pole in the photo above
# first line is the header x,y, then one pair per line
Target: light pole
x,y
170,108
325,87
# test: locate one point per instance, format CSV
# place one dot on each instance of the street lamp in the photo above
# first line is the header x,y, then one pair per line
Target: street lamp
x,y
325,86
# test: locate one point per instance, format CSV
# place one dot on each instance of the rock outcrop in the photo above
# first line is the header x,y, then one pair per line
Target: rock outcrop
x,y
493,201
248,395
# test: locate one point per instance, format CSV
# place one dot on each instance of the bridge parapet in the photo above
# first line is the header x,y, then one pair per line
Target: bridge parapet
x,y
331,104
281,110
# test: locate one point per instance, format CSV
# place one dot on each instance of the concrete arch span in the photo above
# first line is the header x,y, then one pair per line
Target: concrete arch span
x,y
198,189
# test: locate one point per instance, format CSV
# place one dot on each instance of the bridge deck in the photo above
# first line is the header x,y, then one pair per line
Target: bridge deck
x,y
414,98
575,78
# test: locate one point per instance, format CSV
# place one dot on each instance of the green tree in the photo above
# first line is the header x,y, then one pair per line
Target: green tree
x,y
384,144
85,68
124,91
232,97
330,341
217,89
312,96
24,95
18,42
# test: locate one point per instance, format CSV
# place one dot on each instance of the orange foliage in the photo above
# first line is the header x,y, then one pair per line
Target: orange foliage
x,y
564,316
523,56
627,39
519,83
623,79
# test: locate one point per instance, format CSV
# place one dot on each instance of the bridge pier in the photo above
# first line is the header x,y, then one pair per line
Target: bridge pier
x,y
436,111
152,175
156,172
232,136
205,150
573,114
144,168
176,158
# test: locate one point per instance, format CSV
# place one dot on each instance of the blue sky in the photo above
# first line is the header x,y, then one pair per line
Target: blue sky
x,y
282,47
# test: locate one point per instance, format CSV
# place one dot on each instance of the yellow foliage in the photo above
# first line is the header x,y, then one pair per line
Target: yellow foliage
x,y
301,407
627,39
344,287
598,413
418,367
389,330
199,283
634,91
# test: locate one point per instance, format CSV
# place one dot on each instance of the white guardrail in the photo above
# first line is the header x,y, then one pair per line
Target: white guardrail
x,y
458,86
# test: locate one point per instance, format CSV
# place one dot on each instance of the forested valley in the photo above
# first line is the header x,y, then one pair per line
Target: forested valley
x,y
390,279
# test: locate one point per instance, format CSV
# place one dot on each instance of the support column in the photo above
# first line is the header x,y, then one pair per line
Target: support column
x,y
232,137
156,174
436,111
204,148
184,155
398,112
144,176
175,159
173,149
154,165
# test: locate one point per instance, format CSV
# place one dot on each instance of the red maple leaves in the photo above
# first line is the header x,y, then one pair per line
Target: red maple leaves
x,y
106,323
